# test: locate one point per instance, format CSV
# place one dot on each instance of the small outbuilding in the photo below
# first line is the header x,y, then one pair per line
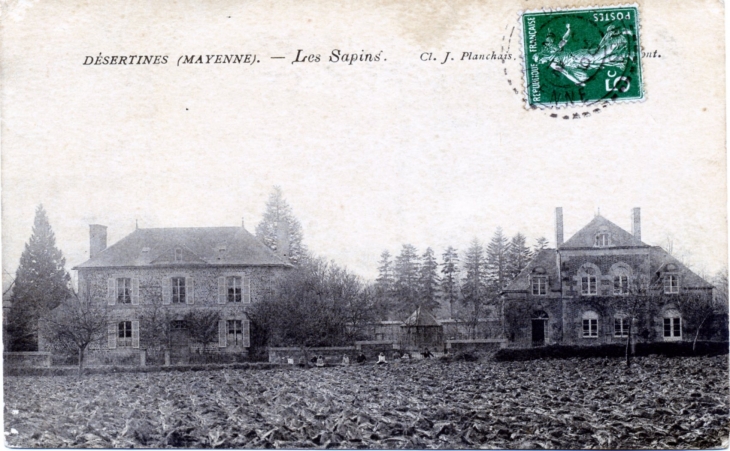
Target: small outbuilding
x,y
422,330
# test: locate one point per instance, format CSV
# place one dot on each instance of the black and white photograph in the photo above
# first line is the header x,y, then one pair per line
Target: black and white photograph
x,y
452,224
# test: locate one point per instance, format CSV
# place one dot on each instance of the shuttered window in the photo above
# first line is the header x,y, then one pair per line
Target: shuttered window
x,y
111,291
124,334
222,332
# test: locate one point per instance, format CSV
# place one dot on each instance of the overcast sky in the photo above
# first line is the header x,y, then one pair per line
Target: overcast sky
x,y
369,155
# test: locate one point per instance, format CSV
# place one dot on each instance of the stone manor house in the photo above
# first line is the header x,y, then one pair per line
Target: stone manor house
x,y
584,291
177,270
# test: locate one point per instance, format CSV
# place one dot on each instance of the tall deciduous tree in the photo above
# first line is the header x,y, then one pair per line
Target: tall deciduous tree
x,y
450,278
497,261
406,274
280,224
41,284
316,304
518,255
428,280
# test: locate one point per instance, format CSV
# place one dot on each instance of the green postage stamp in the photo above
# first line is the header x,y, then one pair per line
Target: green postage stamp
x,y
582,56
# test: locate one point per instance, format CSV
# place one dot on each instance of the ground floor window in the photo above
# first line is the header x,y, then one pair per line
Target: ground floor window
x,y
620,326
124,334
235,332
590,325
672,326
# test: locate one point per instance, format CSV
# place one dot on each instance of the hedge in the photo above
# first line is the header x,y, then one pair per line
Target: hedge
x,y
668,349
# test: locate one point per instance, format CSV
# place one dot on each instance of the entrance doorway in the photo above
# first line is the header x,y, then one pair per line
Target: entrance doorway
x,y
539,328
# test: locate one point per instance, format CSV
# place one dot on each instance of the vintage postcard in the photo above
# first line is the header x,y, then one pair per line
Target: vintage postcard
x,y
364,224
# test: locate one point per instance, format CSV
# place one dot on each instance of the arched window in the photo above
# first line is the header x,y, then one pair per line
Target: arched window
x,y
672,325
590,324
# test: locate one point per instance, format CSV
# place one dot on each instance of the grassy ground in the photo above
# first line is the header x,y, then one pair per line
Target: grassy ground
x,y
574,403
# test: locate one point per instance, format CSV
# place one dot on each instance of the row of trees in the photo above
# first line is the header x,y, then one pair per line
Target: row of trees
x,y
465,283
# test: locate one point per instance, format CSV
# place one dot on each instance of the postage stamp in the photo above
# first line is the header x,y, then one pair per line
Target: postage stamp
x,y
582,56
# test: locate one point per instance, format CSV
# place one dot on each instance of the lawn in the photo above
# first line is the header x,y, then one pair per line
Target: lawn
x,y
575,403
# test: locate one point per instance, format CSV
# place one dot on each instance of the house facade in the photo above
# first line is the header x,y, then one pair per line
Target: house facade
x,y
153,279
600,285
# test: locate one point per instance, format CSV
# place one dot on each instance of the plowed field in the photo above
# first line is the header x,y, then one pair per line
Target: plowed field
x,y
592,403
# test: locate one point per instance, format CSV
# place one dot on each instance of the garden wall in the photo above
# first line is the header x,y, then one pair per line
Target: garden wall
x,y
26,359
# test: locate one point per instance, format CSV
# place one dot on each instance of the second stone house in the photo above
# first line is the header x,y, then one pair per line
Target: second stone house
x,y
588,289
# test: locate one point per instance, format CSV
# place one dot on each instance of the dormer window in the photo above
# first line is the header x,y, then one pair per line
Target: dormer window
x,y
178,254
602,240
671,284
539,282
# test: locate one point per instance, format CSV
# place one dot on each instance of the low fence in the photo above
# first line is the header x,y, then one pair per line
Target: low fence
x,y
27,359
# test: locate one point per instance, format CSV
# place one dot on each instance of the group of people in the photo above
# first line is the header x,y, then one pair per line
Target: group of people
x,y
319,360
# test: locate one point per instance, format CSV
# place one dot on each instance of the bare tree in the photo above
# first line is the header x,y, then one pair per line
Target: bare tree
x,y
202,326
74,325
155,323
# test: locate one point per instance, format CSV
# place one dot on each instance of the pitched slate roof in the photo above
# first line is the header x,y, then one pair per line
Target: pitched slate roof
x,y
586,236
421,317
660,259
219,246
545,259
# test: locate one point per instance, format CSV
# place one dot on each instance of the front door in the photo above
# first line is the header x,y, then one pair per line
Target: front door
x,y
538,332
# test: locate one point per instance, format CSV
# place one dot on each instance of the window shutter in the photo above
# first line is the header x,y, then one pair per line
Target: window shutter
x,y
135,291
189,290
111,291
135,334
246,333
246,288
112,336
222,334
166,290
221,290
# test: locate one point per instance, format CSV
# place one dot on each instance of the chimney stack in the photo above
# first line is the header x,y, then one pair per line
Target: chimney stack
x,y
636,223
558,226
242,223
282,243
97,238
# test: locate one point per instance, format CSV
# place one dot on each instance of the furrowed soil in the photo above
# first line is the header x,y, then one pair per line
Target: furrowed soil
x,y
591,403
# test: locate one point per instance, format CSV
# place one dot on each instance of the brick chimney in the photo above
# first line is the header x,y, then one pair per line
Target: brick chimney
x,y
282,242
558,226
97,238
636,223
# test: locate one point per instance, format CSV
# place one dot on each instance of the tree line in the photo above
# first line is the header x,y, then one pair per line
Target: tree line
x,y
463,284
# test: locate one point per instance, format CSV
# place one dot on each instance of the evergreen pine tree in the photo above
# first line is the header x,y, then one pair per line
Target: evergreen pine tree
x,y
450,278
278,217
406,279
428,280
497,261
540,244
41,283
474,288
384,287
518,255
